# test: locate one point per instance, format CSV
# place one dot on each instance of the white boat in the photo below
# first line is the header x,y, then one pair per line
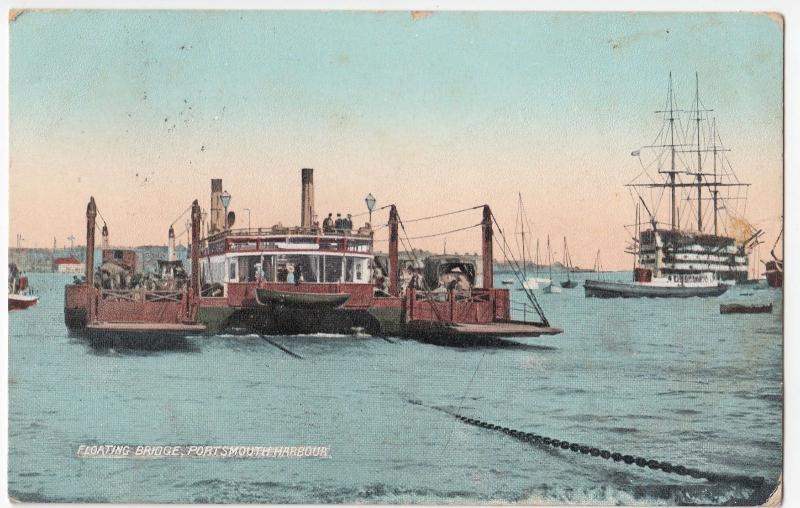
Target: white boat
x,y
645,285
534,283
550,287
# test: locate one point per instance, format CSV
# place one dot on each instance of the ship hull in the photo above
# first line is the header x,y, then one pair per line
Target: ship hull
x,y
603,289
20,302
774,274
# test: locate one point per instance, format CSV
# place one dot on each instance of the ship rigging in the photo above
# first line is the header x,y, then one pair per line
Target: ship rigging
x,y
688,162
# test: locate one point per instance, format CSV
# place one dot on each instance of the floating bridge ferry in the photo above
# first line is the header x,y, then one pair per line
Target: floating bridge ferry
x,y
302,280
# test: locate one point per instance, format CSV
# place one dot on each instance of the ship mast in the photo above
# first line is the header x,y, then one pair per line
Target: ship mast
x,y
672,150
699,157
522,223
715,191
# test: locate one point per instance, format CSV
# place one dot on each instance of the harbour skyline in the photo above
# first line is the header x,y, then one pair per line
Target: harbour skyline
x,y
433,113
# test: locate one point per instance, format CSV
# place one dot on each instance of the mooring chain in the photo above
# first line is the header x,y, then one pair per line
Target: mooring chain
x,y
666,467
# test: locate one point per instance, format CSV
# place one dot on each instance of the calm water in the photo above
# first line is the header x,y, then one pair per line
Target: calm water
x,y
671,380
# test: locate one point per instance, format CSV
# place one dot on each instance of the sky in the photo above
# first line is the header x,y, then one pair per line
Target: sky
x,y
140,109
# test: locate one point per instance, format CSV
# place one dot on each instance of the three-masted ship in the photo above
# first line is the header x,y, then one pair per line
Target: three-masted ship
x,y
703,250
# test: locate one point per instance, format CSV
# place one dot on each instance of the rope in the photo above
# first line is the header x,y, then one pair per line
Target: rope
x,y
416,262
442,233
543,441
100,214
285,350
505,248
367,212
179,216
442,214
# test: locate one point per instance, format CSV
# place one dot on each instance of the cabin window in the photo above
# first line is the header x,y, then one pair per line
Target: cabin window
x,y
212,273
332,268
306,265
232,272
355,269
359,245
251,268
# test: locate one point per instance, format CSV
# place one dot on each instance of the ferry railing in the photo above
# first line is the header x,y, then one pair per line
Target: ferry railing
x,y
141,295
360,233
475,306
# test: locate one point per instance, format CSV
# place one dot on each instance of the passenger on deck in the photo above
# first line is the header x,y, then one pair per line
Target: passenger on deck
x,y
327,224
299,275
290,274
348,223
339,224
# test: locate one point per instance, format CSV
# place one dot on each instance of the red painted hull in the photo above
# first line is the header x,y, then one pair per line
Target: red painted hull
x,y
774,274
20,302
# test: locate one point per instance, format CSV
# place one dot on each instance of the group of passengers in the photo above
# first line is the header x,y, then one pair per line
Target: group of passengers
x,y
340,225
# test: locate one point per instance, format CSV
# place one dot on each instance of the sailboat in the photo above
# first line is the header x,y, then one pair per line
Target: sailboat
x,y
569,283
534,282
550,288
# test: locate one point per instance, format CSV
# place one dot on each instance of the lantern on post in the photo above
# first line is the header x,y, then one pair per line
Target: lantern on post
x,y
225,199
370,201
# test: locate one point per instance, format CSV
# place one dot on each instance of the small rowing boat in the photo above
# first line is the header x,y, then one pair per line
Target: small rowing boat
x,y
738,308
303,300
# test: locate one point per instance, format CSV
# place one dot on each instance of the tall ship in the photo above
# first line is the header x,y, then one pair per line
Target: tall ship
x,y
689,237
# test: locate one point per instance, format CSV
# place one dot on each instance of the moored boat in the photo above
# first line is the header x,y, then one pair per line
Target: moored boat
x,y
674,258
550,287
774,267
608,289
738,308
301,299
20,302
569,283
19,292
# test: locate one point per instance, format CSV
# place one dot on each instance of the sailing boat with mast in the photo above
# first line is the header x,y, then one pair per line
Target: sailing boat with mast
x,y
550,288
693,260
534,282
569,283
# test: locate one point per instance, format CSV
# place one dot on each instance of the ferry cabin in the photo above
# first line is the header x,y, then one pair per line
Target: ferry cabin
x,y
284,255
677,254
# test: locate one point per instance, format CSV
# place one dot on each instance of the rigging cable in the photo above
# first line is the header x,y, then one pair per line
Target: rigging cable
x,y
416,262
515,265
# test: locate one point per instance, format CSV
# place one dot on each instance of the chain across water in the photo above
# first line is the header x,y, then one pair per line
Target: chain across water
x,y
666,467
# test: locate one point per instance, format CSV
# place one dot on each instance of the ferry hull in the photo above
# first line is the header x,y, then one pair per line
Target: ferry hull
x,y
289,320
603,289
495,334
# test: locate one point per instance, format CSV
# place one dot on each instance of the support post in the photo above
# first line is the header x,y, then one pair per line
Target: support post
x,y
196,248
488,258
91,214
394,260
